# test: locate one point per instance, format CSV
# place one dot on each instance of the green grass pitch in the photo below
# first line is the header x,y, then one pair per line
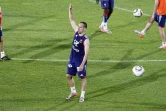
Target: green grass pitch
x,y
38,36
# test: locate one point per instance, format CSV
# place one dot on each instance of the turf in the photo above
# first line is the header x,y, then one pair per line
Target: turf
x,y
38,36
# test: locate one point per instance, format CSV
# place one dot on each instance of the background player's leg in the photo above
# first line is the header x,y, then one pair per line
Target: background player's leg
x,y
163,37
3,56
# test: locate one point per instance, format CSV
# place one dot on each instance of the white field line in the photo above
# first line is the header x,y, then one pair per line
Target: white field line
x,y
129,10
94,61
122,8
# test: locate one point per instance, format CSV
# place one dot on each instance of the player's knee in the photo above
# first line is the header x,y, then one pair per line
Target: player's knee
x,y
1,39
83,77
68,76
110,11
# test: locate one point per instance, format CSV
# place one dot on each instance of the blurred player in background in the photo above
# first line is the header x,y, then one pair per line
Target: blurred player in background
x,y
158,15
3,56
78,57
107,6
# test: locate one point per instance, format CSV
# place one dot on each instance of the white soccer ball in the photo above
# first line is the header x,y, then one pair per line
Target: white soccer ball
x,y
138,70
137,12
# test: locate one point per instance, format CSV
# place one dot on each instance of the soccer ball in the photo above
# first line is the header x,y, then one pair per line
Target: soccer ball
x,y
138,70
137,12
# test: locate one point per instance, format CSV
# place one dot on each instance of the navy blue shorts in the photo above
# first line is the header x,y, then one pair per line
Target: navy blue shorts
x,y
72,69
0,32
160,19
107,3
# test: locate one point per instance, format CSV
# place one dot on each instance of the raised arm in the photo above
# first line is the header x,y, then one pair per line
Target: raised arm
x,y
71,18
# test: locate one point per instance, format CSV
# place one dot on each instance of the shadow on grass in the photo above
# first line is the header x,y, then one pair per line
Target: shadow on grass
x,y
33,19
131,23
62,104
50,47
53,48
128,85
94,34
126,105
144,104
125,86
49,51
121,65
51,44
59,48
65,106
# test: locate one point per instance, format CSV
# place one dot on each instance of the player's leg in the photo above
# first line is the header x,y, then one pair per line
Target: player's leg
x,y
71,71
110,12
107,6
83,85
3,56
103,6
105,18
72,87
148,25
82,75
110,7
161,25
103,27
163,38
1,44
146,28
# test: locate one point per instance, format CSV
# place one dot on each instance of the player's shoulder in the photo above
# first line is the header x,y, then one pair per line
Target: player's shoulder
x,y
86,37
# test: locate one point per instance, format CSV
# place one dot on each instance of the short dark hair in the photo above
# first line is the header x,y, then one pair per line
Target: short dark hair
x,y
85,24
